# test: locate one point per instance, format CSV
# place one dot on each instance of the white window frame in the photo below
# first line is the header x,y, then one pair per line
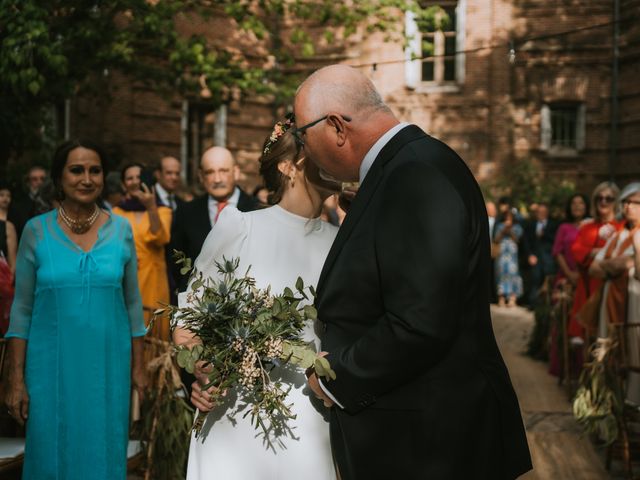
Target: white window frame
x,y
546,133
190,133
413,68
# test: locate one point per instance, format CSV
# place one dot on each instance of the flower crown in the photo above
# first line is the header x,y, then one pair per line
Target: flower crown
x,y
279,130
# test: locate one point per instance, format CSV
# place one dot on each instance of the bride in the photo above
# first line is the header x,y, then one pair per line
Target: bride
x,y
280,244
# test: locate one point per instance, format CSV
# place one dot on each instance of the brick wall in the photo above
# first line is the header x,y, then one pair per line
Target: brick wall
x,y
492,119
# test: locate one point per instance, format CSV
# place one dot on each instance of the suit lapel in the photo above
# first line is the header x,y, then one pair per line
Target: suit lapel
x,y
365,193
203,214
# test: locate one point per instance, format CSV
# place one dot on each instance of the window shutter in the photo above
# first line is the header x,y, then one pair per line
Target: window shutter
x,y
580,127
545,127
461,18
413,69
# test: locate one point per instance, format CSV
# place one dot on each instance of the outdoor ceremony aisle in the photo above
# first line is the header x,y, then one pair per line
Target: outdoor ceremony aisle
x,y
558,448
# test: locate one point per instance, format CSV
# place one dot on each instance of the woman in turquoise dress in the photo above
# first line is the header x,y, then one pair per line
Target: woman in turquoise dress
x,y
76,328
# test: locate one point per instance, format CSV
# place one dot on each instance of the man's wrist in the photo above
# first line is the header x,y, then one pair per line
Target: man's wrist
x,y
329,394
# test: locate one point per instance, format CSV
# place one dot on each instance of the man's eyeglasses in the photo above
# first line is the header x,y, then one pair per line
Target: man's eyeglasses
x,y
299,132
628,201
605,199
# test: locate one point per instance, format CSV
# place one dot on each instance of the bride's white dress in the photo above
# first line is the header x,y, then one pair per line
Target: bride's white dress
x,y
279,246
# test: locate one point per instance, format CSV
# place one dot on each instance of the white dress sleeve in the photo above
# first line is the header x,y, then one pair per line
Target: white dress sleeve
x,y
225,239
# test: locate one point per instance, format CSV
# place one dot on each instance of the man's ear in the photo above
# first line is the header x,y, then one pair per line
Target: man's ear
x,y
200,177
156,175
337,122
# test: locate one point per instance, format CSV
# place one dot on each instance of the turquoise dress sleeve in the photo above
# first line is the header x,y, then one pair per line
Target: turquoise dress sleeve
x,y
132,297
26,268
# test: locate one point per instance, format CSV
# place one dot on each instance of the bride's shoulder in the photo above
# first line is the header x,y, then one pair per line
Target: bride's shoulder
x,y
231,215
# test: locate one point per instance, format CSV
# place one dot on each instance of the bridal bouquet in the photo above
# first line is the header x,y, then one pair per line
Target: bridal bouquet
x,y
245,332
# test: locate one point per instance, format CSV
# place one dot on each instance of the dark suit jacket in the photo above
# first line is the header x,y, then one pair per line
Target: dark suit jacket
x,y
539,246
178,200
191,225
20,211
404,301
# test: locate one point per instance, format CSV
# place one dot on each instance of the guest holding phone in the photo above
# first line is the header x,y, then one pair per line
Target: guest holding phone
x,y
151,225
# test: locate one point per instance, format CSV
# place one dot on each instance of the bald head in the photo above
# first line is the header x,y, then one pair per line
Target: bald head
x,y
340,115
218,172
217,154
168,173
340,88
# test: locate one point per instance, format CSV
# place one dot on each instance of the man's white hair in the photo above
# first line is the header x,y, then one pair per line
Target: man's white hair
x,y
352,95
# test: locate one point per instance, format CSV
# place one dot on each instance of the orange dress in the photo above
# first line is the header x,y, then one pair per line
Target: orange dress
x,y
152,266
588,238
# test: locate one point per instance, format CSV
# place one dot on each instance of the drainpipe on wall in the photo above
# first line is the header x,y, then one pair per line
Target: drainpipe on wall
x,y
220,127
184,140
613,141
67,119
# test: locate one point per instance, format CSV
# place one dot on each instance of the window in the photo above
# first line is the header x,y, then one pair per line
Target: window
x,y
562,128
199,135
438,34
203,127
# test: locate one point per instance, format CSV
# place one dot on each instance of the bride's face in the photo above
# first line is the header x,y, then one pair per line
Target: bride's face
x,y
312,173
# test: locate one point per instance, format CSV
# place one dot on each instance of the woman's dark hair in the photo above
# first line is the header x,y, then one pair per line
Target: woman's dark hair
x,y
129,165
568,215
284,149
5,186
62,154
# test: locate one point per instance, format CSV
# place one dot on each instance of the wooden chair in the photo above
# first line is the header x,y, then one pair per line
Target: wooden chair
x,y
163,376
567,351
627,367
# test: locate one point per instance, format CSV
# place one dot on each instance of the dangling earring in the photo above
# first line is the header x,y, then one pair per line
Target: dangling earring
x,y
293,182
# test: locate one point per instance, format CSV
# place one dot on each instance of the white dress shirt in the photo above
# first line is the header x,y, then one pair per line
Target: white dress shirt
x,y
375,149
168,199
213,204
365,166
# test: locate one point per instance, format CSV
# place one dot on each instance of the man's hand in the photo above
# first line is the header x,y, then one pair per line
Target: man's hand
x,y
314,384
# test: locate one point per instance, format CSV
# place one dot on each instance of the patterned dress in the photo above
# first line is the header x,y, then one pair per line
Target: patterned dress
x,y
507,272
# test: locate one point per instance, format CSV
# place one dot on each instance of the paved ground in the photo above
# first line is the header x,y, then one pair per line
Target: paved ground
x,y
558,448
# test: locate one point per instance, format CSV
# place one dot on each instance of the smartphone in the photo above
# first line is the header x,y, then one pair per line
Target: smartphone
x,y
146,177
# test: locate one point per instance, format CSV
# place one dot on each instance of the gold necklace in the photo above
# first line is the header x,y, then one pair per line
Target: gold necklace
x,y
79,226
